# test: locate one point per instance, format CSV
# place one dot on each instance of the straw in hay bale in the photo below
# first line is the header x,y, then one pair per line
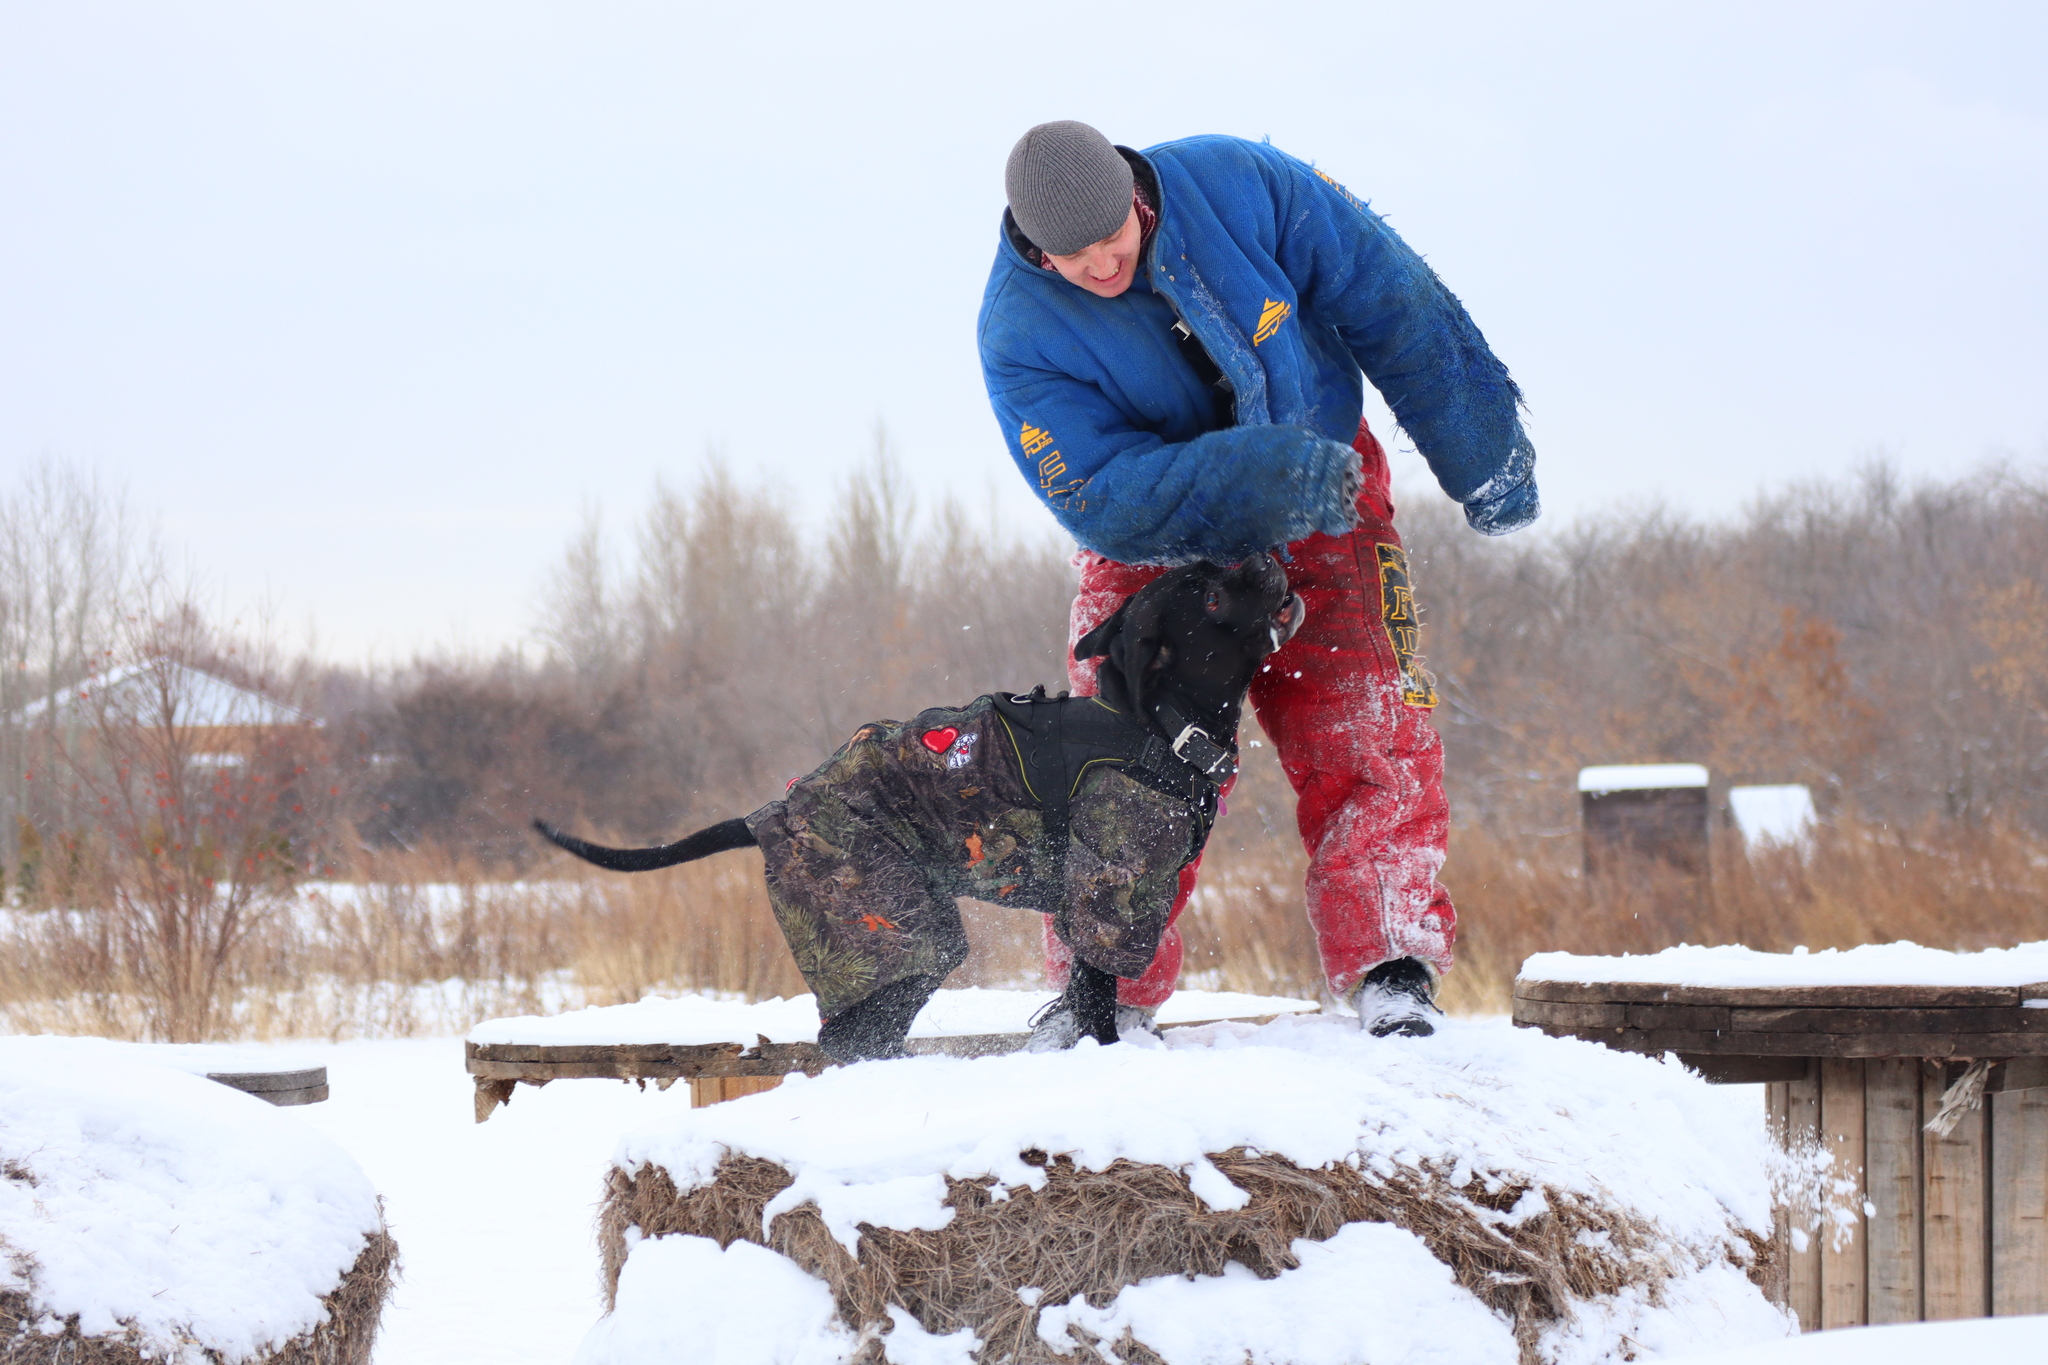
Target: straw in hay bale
x,y
1087,1234
343,1337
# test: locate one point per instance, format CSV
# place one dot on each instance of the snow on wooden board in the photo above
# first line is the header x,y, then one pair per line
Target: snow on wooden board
x,y
875,1144
1733,966
137,1194
697,1020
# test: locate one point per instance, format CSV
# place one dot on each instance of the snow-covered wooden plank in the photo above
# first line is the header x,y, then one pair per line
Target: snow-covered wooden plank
x,y
1836,996
1879,964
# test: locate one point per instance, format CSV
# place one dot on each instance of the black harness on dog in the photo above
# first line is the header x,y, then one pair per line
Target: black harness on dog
x,y
1059,738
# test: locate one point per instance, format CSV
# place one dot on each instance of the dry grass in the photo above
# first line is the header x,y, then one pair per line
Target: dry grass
x,y
344,1337
430,946
1088,1234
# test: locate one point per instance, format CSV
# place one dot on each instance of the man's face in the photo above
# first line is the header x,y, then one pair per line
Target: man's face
x,y
1106,268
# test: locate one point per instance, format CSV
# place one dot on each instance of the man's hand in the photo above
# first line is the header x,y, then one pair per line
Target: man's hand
x,y
1509,510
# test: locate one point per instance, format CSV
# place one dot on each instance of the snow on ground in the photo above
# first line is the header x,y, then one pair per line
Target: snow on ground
x,y
220,1059
1876,964
874,1145
143,1195
1981,1341
495,1221
697,1019
1401,1306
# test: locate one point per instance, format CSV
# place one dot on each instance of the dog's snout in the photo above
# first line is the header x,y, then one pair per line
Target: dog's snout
x,y
1265,574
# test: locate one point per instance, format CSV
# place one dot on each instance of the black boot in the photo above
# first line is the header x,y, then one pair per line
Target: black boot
x,y
1397,999
1087,1009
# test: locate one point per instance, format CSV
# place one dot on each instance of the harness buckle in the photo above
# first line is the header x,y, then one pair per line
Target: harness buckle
x,y
1187,734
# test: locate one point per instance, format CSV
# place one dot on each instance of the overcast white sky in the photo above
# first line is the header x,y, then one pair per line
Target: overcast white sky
x,y
367,300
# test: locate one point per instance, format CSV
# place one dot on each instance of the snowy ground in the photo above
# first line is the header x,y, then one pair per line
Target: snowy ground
x,y
494,1221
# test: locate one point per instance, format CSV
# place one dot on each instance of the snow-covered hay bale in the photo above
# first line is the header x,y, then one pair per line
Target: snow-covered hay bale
x,y
151,1215
1295,1193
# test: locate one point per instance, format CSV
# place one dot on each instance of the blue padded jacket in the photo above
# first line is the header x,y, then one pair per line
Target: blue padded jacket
x,y
1293,286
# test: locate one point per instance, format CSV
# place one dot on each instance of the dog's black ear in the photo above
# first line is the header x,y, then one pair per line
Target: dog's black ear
x,y
1135,647
1097,641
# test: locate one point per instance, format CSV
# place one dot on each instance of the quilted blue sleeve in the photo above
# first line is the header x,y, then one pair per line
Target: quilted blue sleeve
x,y
1135,498
1415,342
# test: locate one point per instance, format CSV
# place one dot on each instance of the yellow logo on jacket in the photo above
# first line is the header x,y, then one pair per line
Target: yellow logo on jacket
x,y
1031,440
1275,313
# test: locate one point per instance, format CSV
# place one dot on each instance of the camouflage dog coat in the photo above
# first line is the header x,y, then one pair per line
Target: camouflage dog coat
x,y
1054,804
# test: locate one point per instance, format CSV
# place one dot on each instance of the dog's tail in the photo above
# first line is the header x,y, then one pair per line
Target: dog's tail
x,y
717,838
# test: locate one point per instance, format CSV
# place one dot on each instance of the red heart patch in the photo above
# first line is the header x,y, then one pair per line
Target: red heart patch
x,y
938,741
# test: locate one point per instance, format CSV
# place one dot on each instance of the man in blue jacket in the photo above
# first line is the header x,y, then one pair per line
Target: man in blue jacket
x,y
1175,343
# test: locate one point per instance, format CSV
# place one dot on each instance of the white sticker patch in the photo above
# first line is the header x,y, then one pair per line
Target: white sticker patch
x,y
962,752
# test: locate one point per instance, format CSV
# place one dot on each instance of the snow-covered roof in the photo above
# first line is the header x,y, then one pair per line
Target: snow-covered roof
x,y
1636,777
201,699
1772,815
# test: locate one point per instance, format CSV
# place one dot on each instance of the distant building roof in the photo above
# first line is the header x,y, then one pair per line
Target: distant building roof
x,y
199,699
1636,777
1773,815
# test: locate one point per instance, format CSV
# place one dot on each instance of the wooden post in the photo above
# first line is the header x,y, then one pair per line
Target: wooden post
x,y
1891,1164
718,1089
1843,1277
1802,1133
2019,1202
1955,1255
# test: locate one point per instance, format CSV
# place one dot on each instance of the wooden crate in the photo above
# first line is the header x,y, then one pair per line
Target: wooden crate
x,y
1945,1226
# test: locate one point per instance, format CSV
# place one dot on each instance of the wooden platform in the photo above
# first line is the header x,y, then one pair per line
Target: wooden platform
x,y
1948,1225
715,1071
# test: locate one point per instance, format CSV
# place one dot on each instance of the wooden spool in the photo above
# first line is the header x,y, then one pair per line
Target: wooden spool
x,y
307,1086
1952,1226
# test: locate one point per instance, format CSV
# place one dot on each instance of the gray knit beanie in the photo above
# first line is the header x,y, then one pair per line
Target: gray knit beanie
x,y
1068,187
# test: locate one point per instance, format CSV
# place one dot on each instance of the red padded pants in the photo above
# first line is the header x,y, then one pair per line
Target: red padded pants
x,y
1350,718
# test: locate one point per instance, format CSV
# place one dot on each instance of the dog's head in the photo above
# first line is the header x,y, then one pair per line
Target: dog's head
x,y
1199,632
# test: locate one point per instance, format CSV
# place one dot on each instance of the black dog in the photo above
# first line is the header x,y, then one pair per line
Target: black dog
x,y
1084,808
